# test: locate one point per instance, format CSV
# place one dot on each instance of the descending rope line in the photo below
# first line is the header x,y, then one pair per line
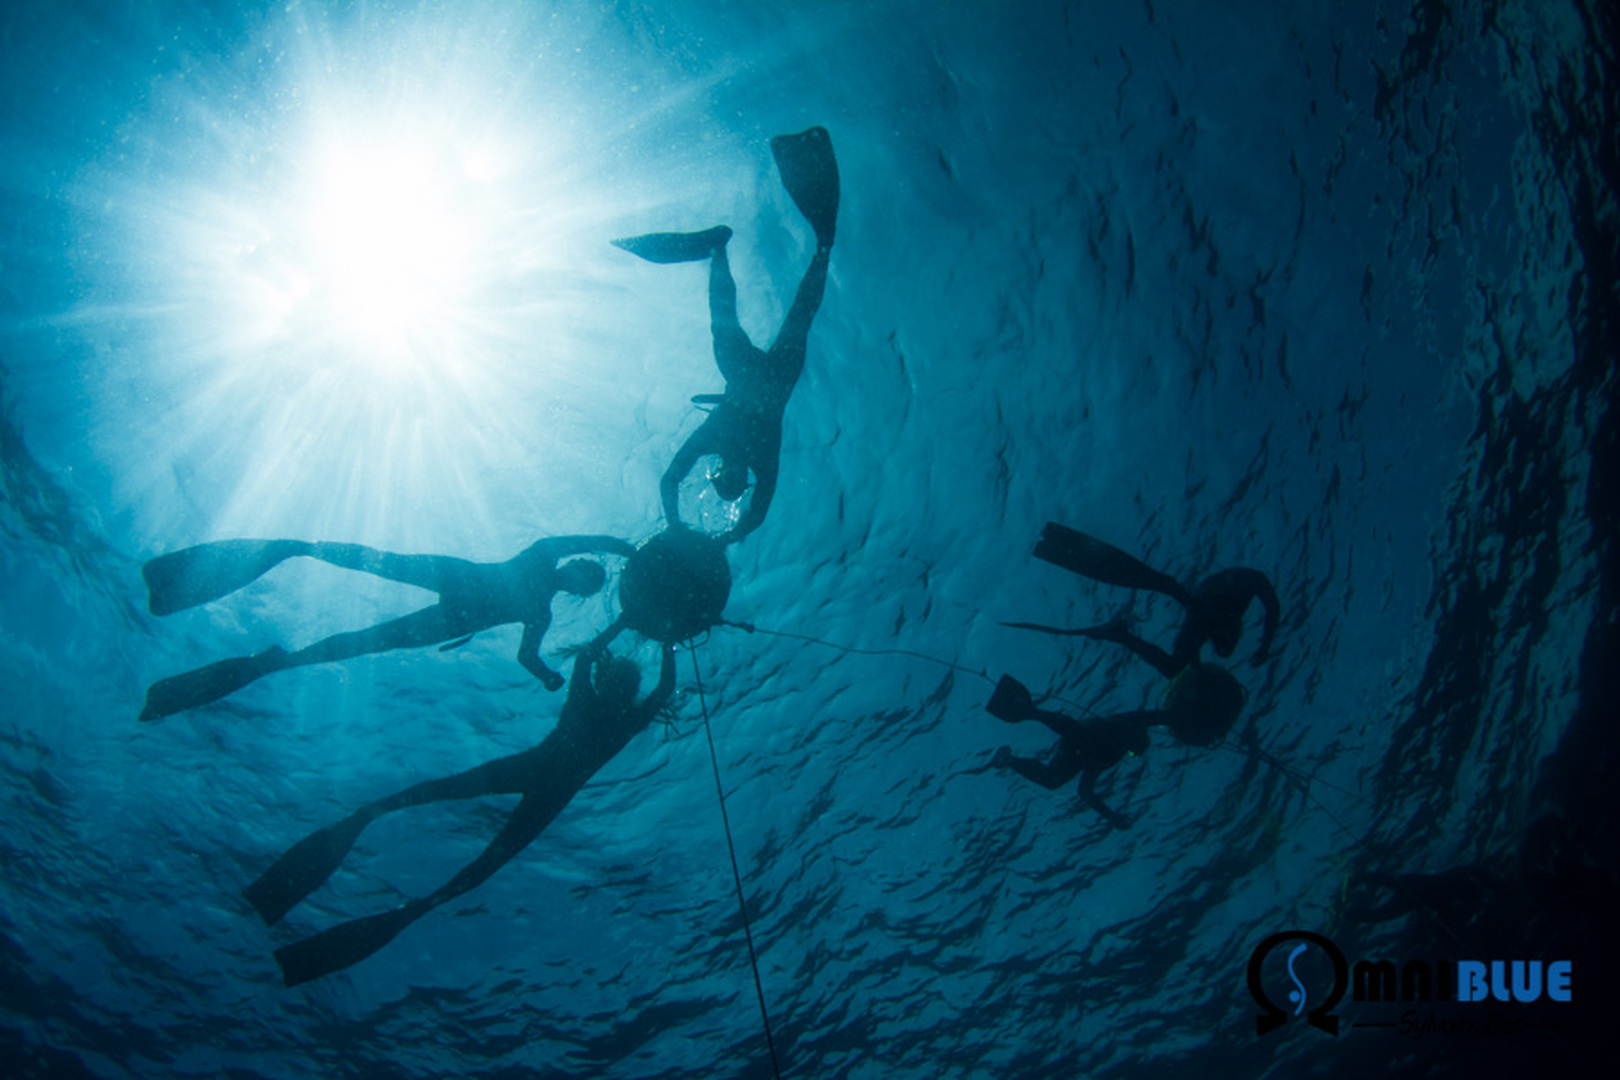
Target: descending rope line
x,y
736,875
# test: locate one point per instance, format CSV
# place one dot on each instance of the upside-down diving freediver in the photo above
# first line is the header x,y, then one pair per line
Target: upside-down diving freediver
x,y
744,429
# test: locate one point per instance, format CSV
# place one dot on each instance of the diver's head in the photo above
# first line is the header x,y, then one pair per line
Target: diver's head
x,y
582,577
730,479
617,681
1202,704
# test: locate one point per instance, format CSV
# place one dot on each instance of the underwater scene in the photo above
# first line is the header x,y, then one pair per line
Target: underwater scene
x,y
579,538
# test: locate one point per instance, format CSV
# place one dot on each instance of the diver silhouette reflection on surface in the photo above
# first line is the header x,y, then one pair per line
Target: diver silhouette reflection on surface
x,y
472,597
744,428
1214,608
599,718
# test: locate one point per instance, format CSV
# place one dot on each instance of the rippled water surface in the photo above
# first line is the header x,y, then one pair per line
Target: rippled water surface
x,y
1329,294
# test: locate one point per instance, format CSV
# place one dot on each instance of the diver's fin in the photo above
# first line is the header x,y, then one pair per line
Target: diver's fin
x,y
1010,701
303,868
676,247
1112,630
196,575
1100,561
345,944
190,689
449,645
1058,631
809,172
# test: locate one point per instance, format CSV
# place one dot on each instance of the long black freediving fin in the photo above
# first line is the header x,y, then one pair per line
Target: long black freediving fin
x,y
1101,561
196,575
809,172
344,945
1010,701
303,868
675,247
190,689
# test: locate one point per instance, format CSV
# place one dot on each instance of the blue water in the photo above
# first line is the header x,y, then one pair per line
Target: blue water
x,y
1331,295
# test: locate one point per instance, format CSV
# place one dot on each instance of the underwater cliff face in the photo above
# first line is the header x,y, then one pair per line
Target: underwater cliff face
x,y
1331,296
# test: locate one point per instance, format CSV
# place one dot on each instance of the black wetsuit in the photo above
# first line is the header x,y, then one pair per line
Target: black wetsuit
x,y
472,597
745,428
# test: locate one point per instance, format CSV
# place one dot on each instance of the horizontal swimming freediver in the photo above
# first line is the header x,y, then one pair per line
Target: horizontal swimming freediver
x,y
1214,608
1200,707
472,597
598,719
745,427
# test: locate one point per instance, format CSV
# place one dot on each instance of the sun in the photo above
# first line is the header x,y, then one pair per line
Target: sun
x,y
389,243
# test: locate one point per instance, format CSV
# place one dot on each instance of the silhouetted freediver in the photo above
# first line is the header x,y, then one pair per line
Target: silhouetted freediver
x,y
597,721
472,597
1199,709
745,427
1214,608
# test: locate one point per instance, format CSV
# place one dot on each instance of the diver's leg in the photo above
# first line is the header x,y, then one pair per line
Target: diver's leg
x,y
1064,766
509,775
353,941
539,807
313,859
795,330
425,571
426,627
732,349
1162,662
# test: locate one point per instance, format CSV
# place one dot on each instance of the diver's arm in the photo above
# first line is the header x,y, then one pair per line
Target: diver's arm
x,y
1267,595
561,547
1186,646
1065,727
1088,792
666,684
670,486
529,653
764,491
1050,775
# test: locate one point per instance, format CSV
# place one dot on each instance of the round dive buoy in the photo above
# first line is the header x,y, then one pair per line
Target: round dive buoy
x,y
675,586
1203,702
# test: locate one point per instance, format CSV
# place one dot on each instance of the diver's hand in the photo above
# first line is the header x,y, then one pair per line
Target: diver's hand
x,y
552,680
1120,821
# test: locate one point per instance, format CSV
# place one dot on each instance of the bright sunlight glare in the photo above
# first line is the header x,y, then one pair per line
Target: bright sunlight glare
x,y
390,243
365,253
